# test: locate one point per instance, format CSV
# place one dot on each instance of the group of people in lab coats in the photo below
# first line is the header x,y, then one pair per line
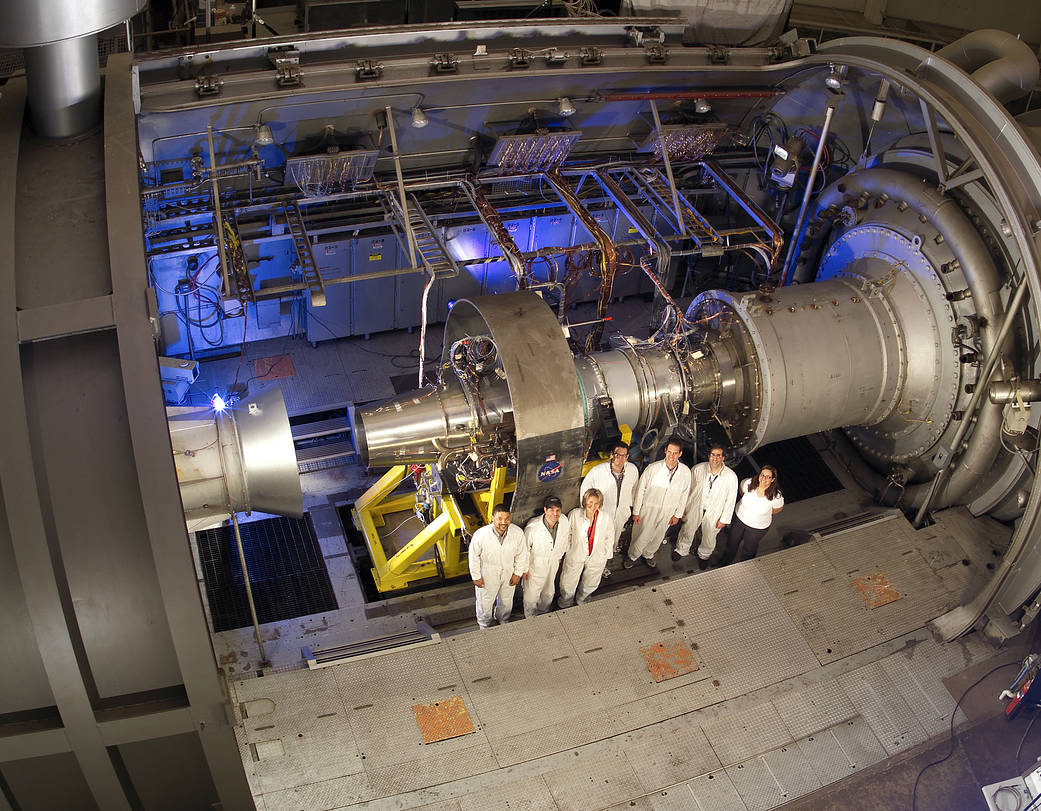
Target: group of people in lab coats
x,y
582,542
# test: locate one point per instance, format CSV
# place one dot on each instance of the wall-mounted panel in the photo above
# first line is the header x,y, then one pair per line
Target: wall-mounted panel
x,y
631,280
500,277
588,287
372,301
464,242
552,231
335,260
86,474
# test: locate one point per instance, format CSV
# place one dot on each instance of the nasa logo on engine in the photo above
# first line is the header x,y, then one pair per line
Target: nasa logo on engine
x,y
550,469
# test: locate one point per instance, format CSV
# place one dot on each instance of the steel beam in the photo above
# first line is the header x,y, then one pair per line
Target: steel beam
x,y
150,435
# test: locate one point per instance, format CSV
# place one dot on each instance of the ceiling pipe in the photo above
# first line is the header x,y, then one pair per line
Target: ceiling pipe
x,y
700,94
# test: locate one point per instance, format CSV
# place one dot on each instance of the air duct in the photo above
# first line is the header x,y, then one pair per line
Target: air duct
x,y
235,460
1000,63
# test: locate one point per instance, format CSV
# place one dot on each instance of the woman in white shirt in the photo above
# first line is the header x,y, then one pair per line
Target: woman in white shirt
x,y
760,502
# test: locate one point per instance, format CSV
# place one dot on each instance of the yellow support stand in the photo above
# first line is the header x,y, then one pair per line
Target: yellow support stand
x,y
485,500
442,533
404,568
627,438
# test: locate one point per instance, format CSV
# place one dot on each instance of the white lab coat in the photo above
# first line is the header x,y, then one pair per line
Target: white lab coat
x,y
496,562
544,554
619,507
706,506
658,498
583,570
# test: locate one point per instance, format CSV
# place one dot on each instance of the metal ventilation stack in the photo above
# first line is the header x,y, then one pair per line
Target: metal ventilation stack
x,y
60,38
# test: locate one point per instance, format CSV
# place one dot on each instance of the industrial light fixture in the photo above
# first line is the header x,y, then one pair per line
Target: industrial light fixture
x,y
684,141
419,118
701,106
833,81
533,152
333,173
264,136
566,107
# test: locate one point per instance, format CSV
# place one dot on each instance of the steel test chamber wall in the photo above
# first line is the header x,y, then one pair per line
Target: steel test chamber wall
x,y
108,662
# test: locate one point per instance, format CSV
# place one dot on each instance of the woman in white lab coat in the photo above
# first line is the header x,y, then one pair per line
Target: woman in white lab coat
x,y
591,546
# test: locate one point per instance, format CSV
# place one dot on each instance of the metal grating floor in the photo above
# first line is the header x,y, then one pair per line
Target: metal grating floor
x,y
286,571
567,715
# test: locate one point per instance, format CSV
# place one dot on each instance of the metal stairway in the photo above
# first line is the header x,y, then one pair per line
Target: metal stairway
x,y
302,243
656,189
430,248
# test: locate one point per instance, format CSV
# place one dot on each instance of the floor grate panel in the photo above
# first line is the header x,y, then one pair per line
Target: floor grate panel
x,y
715,792
774,778
529,793
754,653
743,731
879,701
286,571
592,782
812,709
671,756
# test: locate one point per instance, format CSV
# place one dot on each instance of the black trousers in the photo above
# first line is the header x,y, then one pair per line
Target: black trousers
x,y
742,542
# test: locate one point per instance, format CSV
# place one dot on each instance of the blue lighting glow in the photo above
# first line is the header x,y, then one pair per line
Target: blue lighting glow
x,y
218,403
451,304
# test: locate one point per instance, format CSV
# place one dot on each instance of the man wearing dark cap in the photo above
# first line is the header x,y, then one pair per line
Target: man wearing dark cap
x,y
547,538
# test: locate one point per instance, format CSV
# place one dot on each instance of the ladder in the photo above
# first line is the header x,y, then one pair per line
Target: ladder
x,y
302,243
430,248
656,189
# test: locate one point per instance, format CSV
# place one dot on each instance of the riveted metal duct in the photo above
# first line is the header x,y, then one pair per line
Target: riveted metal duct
x,y
237,460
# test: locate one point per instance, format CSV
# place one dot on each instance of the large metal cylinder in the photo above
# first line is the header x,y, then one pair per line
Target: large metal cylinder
x,y
64,86
61,57
236,460
911,223
27,23
423,425
823,355
865,348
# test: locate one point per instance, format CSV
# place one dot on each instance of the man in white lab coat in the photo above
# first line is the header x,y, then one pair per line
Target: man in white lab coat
x,y
547,538
498,559
710,506
661,497
617,480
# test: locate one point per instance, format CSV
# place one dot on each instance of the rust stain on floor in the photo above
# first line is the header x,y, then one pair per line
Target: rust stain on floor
x,y
667,660
443,719
876,589
274,367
